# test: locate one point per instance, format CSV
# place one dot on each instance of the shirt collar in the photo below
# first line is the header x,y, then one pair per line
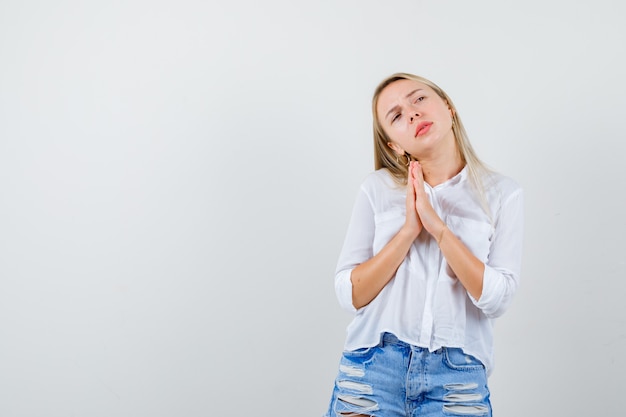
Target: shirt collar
x,y
458,178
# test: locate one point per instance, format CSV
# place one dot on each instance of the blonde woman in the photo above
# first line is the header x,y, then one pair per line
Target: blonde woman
x,y
431,256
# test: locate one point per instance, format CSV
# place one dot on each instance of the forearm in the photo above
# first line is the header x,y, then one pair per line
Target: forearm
x,y
467,268
370,277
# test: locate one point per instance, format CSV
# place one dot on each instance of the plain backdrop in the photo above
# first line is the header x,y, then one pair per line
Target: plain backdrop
x,y
176,178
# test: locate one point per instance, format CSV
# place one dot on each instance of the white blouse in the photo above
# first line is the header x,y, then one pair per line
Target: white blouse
x,y
424,304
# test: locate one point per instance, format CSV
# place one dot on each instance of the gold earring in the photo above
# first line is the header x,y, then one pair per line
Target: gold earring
x,y
408,159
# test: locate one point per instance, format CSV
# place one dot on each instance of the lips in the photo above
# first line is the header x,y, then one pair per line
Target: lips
x,y
422,128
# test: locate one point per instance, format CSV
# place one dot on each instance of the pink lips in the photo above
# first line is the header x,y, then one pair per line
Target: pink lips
x,y
422,128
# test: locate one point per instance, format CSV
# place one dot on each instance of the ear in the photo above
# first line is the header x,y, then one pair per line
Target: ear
x,y
450,109
396,148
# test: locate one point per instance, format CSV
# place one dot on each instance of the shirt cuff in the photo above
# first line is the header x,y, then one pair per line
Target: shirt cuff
x,y
343,289
489,298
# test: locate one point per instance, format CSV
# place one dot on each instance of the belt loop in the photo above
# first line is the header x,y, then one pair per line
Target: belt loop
x,y
386,338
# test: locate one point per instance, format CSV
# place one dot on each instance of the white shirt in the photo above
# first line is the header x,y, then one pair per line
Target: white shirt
x,y
424,304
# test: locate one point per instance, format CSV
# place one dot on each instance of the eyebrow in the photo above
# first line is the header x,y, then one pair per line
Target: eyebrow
x,y
394,108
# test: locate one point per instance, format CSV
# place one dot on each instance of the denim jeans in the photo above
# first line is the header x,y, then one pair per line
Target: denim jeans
x,y
394,378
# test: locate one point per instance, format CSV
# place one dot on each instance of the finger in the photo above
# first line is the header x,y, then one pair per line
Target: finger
x,y
411,172
410,192
418,171
418,176
411,176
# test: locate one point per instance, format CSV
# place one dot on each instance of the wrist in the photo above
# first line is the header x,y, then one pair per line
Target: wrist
x,y
410,231
441,234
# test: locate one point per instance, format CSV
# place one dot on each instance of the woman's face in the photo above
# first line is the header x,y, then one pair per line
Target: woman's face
x,y
415,118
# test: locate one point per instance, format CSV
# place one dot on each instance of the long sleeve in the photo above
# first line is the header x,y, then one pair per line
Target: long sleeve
x,y
503,267
357,248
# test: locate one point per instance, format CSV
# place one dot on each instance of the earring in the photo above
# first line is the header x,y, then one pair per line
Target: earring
x,y
408,159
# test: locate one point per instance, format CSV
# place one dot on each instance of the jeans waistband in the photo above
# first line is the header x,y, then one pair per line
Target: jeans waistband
x,y
391,339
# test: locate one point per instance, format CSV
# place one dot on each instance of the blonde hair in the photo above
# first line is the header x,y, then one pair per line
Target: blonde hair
x,y
385,157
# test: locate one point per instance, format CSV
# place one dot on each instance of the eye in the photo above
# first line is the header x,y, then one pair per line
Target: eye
x,y
396,117
418,99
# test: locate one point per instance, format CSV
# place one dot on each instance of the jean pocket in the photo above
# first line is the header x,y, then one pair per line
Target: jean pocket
x,y
359,356
455,358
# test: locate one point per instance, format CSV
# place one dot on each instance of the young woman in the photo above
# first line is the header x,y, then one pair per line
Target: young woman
x,y
432,255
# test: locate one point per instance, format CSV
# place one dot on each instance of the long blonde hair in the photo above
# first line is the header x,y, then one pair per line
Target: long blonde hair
x,y
385,157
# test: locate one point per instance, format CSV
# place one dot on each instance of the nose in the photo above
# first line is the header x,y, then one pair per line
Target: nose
x,y
414,116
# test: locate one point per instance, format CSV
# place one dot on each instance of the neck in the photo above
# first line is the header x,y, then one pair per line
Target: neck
x,y
438,170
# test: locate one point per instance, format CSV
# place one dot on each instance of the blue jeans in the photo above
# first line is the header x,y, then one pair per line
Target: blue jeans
x,y
398,379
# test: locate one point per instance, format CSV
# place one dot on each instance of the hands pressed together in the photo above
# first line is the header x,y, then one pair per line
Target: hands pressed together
x,y
420,213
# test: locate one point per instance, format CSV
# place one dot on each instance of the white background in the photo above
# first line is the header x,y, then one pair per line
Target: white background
x,y
176,179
